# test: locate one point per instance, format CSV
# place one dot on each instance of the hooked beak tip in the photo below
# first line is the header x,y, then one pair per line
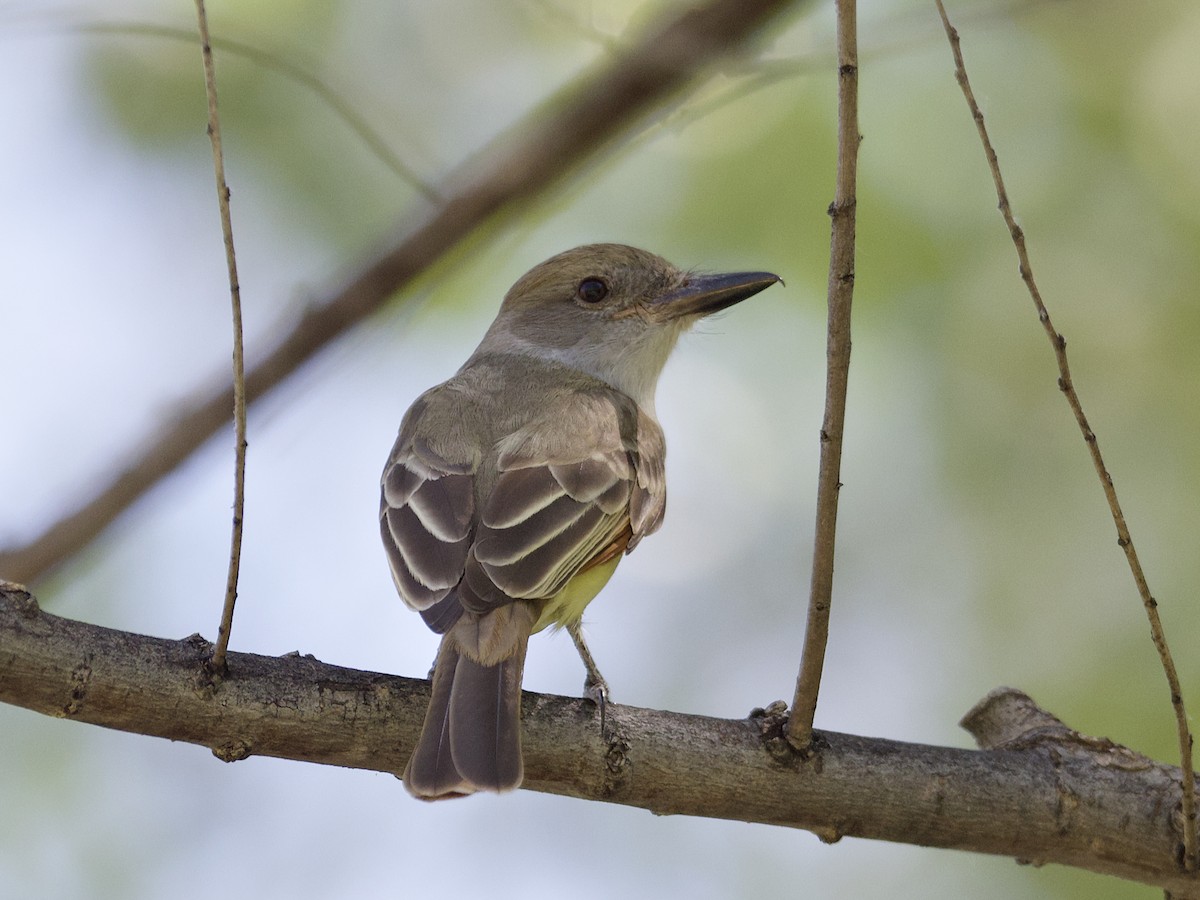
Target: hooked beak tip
x,y
702,295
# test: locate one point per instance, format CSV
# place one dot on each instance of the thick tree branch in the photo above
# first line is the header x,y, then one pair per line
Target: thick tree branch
x,y
1040,792
552,141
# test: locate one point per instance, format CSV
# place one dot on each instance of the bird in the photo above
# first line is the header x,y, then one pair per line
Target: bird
x,y
514,488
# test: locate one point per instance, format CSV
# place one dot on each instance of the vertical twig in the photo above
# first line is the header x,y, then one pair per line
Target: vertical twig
x,y
1067,386
239,377
840,293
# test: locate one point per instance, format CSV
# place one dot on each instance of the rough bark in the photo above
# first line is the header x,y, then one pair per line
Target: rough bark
x,y
1038,792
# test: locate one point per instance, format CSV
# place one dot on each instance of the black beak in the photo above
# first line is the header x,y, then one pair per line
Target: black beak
x,y
702,295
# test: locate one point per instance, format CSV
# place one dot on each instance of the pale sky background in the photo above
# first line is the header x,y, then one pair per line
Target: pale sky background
x,y
974,550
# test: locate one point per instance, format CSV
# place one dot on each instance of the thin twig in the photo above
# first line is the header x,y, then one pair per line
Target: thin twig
x,y
573,126
1067,386
239,370
840,292
896,35
291,71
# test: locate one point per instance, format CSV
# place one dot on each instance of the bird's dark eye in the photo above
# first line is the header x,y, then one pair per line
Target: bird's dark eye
x,y
591,290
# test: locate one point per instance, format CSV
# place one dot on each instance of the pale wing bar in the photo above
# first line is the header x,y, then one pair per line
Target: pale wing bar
x,y
426,519
543,524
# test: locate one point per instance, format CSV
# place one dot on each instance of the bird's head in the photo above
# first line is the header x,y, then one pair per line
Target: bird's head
x,y
612,311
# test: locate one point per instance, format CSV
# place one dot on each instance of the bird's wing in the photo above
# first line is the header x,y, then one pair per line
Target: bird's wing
x,y
542,525
575,488
427,520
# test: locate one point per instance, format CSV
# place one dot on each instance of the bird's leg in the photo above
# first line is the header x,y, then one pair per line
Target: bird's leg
x,y
595,688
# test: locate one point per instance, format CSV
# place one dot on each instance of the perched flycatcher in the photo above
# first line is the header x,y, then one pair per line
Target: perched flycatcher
x,y
515,487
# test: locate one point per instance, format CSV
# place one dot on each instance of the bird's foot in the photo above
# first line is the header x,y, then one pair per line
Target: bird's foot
x,y
595,688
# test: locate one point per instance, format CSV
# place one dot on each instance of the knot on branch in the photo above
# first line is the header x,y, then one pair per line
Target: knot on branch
x,y
207,679
233,751
771,723
841,208
81,677
616,761
19,599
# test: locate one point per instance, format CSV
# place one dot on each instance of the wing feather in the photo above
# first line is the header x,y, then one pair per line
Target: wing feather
x,y
585,480
473,522
526,492
435,563
445,506
399,483
427,520
504,546
544,572
414,594
616,498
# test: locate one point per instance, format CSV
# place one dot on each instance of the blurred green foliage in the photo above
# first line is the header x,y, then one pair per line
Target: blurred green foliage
x,y
981,470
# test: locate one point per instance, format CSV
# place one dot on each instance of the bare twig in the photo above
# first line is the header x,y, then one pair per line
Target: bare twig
x,y
841,293
1067,386
293,72
1007,800
537,153
896,34
239,369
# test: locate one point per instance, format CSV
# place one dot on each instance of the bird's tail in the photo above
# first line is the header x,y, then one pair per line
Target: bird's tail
x,y
471,739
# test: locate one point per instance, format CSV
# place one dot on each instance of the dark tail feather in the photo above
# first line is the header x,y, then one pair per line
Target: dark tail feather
x,y
471,739
431,774
485,722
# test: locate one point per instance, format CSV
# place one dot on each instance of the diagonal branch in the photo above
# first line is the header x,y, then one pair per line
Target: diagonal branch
x,y
537,153
1038,791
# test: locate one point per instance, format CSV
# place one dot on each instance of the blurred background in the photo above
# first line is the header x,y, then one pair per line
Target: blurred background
x,y
975,547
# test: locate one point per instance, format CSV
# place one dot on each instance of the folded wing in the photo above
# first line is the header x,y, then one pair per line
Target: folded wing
x,y
580,484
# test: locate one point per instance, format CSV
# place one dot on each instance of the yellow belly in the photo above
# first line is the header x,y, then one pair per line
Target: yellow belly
x,y
567,605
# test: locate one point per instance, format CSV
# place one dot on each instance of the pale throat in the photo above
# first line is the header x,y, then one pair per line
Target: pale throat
x,y
630,366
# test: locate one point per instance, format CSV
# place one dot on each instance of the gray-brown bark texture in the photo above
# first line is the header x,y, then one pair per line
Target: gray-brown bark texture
x,y
1038,792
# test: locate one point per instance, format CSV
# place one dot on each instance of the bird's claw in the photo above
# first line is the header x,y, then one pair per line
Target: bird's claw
x,y
595,688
